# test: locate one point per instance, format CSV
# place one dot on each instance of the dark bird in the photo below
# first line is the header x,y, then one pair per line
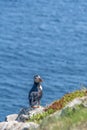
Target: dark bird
x,y
35,93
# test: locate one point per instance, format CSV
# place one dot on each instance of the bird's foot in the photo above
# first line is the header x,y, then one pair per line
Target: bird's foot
x,y
35,106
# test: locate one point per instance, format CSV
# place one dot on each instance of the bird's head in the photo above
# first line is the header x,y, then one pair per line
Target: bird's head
x,y
37,79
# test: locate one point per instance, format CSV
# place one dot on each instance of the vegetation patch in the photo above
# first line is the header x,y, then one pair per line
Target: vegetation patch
x,y
58,105
69,120
38,117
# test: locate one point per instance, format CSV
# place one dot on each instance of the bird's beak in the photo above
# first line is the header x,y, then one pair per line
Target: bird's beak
x,y
40,80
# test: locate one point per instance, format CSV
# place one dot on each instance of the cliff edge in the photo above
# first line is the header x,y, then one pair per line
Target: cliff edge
x,y
67,113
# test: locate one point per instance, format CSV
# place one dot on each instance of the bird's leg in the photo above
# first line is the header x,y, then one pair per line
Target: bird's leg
x,y
35,106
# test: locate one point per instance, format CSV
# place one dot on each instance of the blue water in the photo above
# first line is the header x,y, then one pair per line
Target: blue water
x,y
46,37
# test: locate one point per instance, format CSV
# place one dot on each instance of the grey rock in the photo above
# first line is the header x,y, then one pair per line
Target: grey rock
x,y
26,114
77,101
12,117
72,105
84,102
22,118
17,121
14,125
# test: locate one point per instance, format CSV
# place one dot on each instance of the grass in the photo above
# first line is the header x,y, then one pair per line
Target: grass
x,y
39,117
69,120
57,105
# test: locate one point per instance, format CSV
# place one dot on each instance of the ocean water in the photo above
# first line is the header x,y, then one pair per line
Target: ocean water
x,y
46,37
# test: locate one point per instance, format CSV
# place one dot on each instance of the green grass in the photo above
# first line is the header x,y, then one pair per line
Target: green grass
x,y
39,117
69,119
57,105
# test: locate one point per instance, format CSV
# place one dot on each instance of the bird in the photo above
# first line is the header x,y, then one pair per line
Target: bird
x,y
36,92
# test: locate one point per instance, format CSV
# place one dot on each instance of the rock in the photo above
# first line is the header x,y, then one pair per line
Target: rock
x,y
26,114
17,121
84,102
12,117
22,118
77,101
74,103
14,125
36,111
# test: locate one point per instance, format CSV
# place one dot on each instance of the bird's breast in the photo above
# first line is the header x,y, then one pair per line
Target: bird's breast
x,y
40,88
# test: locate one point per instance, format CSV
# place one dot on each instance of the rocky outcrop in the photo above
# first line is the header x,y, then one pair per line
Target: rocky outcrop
x,y
19,121
71,117
15,125
78,101
26,113
11,117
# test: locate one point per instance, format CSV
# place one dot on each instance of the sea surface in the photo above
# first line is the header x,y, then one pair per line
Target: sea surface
x,y
45,37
